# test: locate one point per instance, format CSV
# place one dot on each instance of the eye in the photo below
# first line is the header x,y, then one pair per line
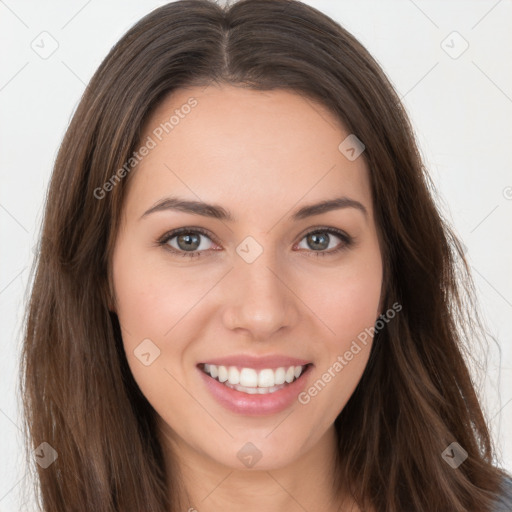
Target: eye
x,y
188,241
322,239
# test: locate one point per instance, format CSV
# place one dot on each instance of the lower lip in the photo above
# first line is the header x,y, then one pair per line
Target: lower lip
x,y
243,403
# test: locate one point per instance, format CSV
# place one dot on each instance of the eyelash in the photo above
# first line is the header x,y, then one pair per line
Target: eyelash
x,y
347,241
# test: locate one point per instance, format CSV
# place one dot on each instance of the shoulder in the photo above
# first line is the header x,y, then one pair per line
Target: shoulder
x,y
504,500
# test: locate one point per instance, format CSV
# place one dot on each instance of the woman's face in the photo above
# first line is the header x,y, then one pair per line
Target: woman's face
x,y
259,281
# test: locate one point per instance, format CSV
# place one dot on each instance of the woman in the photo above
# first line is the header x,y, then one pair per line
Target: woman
x,y
246,297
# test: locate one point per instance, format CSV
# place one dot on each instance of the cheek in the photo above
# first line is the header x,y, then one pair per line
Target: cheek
x,y
150,300
348,306
350,314
347,302
344,354
159,304
149,307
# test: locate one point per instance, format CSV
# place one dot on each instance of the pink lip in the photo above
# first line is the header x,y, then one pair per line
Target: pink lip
x,y
270,403
258,363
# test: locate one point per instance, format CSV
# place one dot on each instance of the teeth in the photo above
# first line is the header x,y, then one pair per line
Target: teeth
x,y
252,381
248,378
279,376
223,374
266,379
253,391
233,375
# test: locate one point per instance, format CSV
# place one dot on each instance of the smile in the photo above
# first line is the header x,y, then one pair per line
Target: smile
x,y
251,384
252,381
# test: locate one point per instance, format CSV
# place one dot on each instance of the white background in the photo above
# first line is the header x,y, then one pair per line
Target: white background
x,y
461,109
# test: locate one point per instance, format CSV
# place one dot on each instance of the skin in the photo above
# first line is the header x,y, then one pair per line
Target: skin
x,y
260,155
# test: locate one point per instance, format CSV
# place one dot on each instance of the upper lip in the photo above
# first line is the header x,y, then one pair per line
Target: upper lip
x,y
257,362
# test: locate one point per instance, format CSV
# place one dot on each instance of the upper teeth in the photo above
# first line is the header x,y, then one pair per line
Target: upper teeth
x,y
250,378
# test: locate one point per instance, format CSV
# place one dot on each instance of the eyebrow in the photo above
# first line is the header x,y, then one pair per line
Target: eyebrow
x,y
218,212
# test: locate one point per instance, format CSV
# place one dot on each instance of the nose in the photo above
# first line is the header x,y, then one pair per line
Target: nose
x,y
259,298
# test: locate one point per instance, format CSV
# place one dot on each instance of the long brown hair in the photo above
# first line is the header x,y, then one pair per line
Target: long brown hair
x,y
416,395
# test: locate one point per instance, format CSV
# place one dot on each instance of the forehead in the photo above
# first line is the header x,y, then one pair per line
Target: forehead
x,y
253,149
